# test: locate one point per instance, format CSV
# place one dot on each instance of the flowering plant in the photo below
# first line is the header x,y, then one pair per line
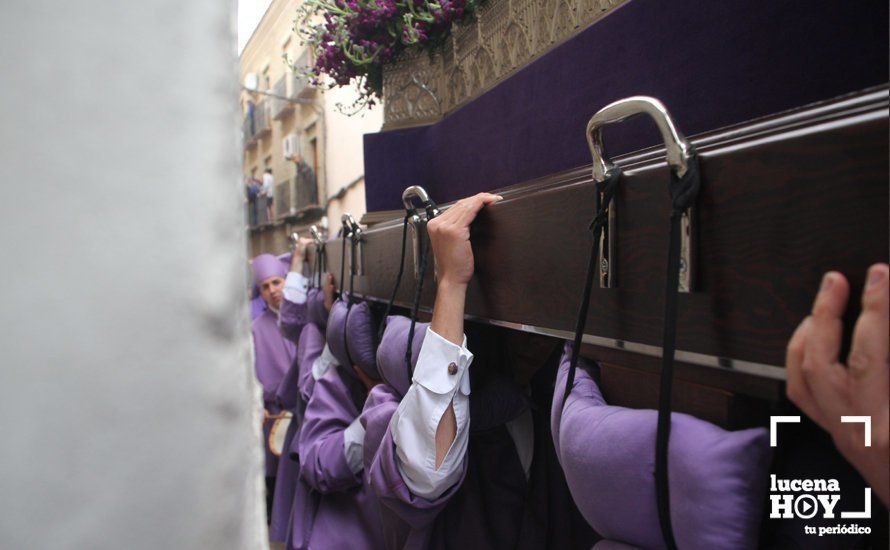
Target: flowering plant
x,y
353,39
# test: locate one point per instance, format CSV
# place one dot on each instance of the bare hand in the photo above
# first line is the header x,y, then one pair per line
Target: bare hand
x,y
450,238
299,253
825,389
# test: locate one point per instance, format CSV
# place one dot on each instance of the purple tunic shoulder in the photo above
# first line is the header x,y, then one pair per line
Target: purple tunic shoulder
x,y
343,512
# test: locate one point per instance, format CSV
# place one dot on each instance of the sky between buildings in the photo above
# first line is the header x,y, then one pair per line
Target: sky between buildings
x,y
249,14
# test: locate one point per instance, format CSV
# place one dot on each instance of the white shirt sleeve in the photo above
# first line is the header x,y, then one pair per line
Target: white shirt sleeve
x,y
296,285
353,441
441,377
323,363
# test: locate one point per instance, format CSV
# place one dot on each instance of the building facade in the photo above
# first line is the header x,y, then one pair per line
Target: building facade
x,y
327,178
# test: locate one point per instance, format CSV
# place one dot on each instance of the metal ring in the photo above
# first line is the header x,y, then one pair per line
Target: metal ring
x,y
676,146
316,236
412,192
354,230
418,192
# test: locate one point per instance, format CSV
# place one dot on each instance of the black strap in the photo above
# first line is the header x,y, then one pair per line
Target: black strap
x,y
342,283
318,266
395,288
605,191
314,271
349,298
431,213
416,305
684,191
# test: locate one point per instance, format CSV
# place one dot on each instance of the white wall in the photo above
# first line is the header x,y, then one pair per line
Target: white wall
x,y
344,156
126,410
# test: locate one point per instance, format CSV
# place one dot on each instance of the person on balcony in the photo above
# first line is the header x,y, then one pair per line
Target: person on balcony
x,y
252,188
268,191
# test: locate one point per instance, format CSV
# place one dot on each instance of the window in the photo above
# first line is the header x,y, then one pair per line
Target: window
x,y
313,154
267,80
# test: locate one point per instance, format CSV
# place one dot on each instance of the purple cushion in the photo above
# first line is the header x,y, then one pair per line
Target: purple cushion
x,y
391,352
336,331
315,310
361,338
718,479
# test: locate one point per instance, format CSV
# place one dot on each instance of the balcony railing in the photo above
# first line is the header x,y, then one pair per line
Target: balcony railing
x,y
262,119
280,107
301,87
284,195
247,133
306,188
256,212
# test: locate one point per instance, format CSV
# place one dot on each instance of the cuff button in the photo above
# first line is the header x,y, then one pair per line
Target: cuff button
x,y
452,368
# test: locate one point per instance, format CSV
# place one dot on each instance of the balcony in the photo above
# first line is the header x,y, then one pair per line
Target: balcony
x,y
284,203
247,132
262,119
256,212
256,124
306,188
281,107
301,87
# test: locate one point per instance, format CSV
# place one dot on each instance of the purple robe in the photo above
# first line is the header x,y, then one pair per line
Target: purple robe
x,y
291,397
493,505
257,306
293,317
341,511
274,355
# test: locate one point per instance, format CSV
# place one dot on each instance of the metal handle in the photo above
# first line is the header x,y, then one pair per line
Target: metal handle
x,y
677,153
316,236
416,220
419,193
354,233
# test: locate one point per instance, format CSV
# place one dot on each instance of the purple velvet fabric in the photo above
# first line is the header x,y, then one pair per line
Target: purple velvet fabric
x,y
315,309
361,338
343,512
391,352
712,64
273,355
718,479
311,343
336,332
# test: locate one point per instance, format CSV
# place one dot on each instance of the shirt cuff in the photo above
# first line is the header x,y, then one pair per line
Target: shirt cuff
x,y
323,363
353,442
296,285
441,365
